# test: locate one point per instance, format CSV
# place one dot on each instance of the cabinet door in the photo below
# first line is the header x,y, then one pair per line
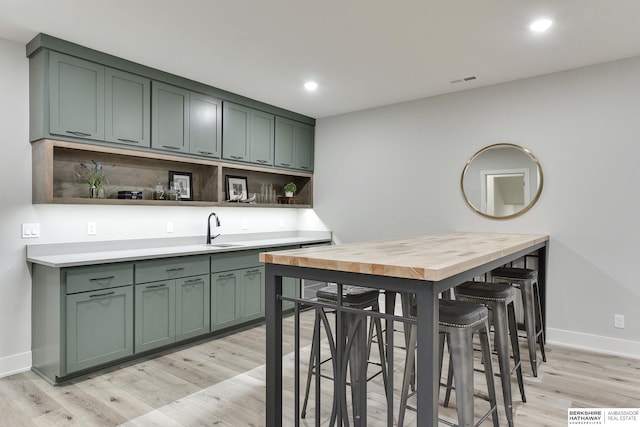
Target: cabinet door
x,y
99,327
192,307
76,97
155,320
236,132
225,302
261,146
127,108
303,149
169,118
285,137
252,295
205,125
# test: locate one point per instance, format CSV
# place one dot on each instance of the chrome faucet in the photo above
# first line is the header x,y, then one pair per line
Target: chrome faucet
x,y
209,227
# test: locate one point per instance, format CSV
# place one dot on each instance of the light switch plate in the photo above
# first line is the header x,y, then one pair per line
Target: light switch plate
x,y
170,227
91,228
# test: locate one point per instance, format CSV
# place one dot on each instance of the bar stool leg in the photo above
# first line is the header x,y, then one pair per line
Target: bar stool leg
x,y
462,358
314,343
406,380
540,327
530,325
488,372
513,334
502,345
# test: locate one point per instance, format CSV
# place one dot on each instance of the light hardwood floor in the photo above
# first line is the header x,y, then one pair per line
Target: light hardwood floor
x,y
221,383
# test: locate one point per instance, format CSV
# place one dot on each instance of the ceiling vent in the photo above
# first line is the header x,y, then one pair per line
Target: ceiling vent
x,y
463,79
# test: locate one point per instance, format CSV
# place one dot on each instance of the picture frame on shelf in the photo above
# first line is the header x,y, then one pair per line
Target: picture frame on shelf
x,y
236,188
184,182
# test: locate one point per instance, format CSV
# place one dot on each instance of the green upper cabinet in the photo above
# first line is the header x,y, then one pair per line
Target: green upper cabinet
x,y
205,125
236,132
169,118
261,145
127,108
294,143
247,134
76,97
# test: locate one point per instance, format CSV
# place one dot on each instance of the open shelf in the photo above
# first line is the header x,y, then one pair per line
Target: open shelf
x,y
56,162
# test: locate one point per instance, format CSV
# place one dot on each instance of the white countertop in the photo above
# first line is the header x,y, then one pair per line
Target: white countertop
x,y
89,253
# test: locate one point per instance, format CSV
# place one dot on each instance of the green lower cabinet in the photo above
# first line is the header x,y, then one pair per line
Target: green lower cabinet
x,y
155,315
99,327
225,301
192,307
236,297
252,294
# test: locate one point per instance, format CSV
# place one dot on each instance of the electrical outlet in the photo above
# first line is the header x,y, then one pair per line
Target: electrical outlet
x,y
281,223
170,227
244,224
618,321
30,231
91,228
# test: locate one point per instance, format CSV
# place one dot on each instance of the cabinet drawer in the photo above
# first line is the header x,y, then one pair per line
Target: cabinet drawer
x,y
171,268
95,277
234,260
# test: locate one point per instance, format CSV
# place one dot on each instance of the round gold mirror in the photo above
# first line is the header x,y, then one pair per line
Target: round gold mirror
x,y
502,181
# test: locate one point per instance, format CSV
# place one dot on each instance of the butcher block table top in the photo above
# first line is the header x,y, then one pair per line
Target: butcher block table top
x,y
432,258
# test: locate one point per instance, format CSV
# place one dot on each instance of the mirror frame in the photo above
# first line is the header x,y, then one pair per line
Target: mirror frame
x,y
503,145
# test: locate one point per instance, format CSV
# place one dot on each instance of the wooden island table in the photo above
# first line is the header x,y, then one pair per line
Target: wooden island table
x,y
425,266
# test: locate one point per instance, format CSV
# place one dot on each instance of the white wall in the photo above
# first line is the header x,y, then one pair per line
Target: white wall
x,y
395,171
68,223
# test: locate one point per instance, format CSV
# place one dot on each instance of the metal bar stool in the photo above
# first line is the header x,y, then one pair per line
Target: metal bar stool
x,y
499,299
355,353
458,320
526,280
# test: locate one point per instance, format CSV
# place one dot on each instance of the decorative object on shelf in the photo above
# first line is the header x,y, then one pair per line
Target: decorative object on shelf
x,y
287,200
289,189
182,185
236,188
158,192
130,195
96,177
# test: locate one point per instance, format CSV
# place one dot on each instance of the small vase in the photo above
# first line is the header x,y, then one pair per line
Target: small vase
x,y
96,192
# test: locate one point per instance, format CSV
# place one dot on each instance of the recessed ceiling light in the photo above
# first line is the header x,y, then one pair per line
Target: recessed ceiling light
x,y
541,25
311,86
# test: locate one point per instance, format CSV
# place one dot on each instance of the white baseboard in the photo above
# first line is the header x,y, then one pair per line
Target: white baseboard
x,y
597,343
15,364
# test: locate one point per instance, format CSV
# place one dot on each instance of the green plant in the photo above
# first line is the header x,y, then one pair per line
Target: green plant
x,y
290,188
95,176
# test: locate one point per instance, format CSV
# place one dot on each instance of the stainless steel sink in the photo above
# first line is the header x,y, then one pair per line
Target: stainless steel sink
x,y
221,245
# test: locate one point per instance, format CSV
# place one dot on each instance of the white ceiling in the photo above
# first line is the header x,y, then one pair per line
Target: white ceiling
x,y
363,53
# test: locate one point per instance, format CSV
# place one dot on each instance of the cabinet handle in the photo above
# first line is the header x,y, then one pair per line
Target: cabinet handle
x,y
285,164
172,270
304,167
224,276
77,133
170,147
102,295
162,285
206,153
262,161
237,157
193,281
100,279
253,271
128,140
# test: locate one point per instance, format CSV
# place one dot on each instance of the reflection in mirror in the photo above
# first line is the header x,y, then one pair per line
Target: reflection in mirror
x,y
502,181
